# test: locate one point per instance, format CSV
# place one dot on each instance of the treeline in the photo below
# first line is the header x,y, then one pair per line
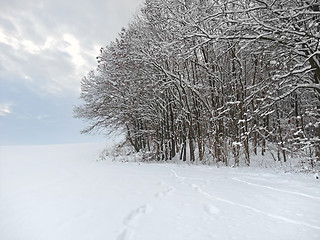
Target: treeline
x,y
212,80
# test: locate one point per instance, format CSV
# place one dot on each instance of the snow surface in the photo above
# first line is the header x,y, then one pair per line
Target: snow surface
x,y
63,192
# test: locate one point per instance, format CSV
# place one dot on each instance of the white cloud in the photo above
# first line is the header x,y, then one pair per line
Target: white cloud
x,y
50,45
5,109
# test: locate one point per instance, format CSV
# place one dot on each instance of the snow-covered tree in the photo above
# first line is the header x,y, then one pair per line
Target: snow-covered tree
x,y
215,78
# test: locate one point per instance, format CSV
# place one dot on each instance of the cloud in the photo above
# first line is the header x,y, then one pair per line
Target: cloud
x,y
5,109
50,45
47,46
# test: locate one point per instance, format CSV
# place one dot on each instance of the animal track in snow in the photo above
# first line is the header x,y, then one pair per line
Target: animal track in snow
x,y
132,220
167,192
274,216
174,173
276,189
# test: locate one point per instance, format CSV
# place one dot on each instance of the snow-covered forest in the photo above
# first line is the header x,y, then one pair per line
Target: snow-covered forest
x,y
212,81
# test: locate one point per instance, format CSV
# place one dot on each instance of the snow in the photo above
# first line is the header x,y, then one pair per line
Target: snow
x,y
63,192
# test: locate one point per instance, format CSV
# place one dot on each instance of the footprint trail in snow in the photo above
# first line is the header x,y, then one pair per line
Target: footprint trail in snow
x,y
131,222
168,190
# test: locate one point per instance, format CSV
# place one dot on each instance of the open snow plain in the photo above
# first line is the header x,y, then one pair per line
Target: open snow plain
x,y
62,192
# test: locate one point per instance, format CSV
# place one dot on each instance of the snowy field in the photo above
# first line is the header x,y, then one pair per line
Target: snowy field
x,y
61,192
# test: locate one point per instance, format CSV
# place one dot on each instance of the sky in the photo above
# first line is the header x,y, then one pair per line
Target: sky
x,y
46,48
